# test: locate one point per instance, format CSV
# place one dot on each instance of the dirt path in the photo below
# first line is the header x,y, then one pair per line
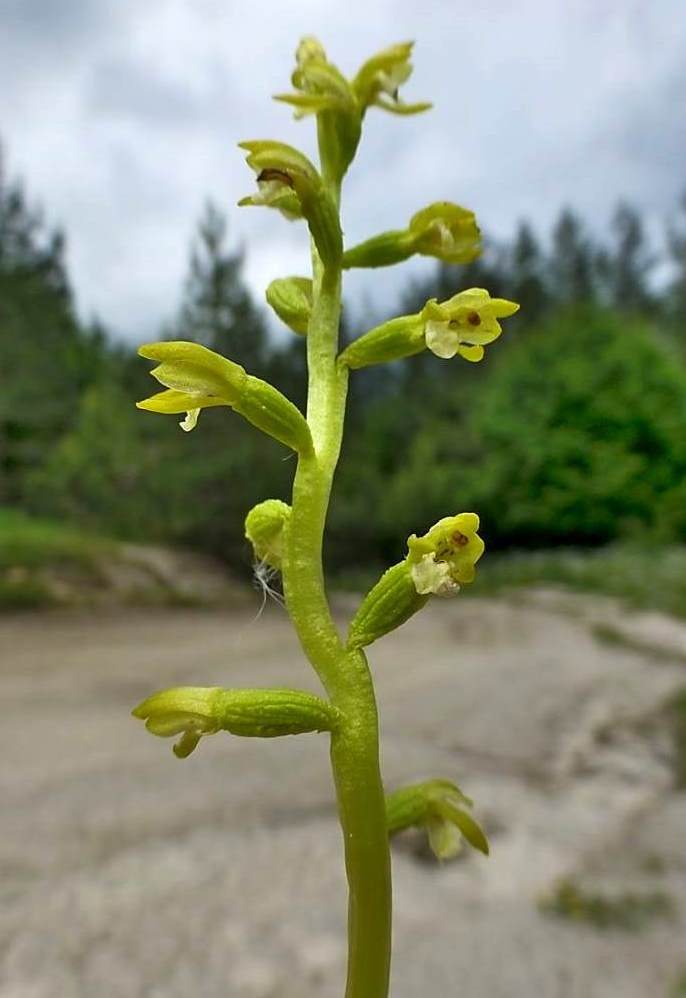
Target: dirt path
x,y
126,873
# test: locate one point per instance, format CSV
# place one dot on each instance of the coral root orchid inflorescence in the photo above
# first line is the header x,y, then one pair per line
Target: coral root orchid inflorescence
x,y
288,538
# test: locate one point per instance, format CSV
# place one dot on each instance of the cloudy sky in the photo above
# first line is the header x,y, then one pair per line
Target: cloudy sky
x,y
123,116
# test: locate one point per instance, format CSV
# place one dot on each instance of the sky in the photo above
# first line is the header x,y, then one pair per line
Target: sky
x,y
122,118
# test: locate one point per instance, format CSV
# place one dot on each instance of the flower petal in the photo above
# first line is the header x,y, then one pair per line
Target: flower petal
x,y
191,420
441,339
473,354
433,577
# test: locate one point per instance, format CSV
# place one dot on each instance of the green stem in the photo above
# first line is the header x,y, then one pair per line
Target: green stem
x,y
345,675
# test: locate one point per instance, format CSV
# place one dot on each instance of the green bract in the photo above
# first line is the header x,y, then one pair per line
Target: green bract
x,y
288,539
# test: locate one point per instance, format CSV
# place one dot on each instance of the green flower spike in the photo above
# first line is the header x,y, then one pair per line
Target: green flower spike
x,y
443,810
465,323
442,230
437,564
194,711
380,78
290,539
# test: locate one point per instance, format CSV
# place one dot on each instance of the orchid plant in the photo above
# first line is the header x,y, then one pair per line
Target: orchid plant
x,y
287,539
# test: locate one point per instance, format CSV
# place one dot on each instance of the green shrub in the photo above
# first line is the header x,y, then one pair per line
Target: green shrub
x,y
576,436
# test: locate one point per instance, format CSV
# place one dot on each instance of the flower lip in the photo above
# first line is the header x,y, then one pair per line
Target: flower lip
x,y
271,174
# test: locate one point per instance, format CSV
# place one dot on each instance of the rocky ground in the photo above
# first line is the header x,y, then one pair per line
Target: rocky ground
x,y
126,873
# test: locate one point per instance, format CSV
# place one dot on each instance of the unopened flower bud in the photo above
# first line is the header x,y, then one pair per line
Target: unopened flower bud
x,y
291,299
265,527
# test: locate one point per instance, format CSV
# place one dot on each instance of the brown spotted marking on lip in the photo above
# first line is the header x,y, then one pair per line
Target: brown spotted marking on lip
x,y
474,319
460,539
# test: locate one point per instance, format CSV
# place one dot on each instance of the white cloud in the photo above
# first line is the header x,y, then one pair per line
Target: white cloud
x,y
123,117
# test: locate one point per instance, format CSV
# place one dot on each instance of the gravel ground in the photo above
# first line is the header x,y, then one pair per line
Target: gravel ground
x,y
126,873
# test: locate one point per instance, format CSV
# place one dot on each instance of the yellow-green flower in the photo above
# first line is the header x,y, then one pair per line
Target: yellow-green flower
x,y
321,86
465,323
381,77
274,190
195,378
446,556
194,711
447,231
443,810
189,711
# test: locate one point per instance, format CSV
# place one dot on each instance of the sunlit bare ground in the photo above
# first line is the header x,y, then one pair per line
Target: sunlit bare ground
x,y
125,872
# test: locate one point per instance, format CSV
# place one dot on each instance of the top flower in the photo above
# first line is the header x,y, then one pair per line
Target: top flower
x,y
465,323
381,77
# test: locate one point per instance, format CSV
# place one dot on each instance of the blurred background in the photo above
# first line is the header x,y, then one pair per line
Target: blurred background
x,y
555,690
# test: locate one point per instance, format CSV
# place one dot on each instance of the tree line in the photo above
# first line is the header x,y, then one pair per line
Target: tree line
x,y
571,431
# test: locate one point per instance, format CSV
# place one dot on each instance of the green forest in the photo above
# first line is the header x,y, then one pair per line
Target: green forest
x,y
571,432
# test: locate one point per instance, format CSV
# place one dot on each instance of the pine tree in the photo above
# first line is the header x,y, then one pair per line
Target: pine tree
x,y
572,261
625,269
676,295
526,279
47,359
217,309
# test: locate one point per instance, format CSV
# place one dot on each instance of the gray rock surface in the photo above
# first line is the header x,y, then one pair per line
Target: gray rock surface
x,y
126,873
